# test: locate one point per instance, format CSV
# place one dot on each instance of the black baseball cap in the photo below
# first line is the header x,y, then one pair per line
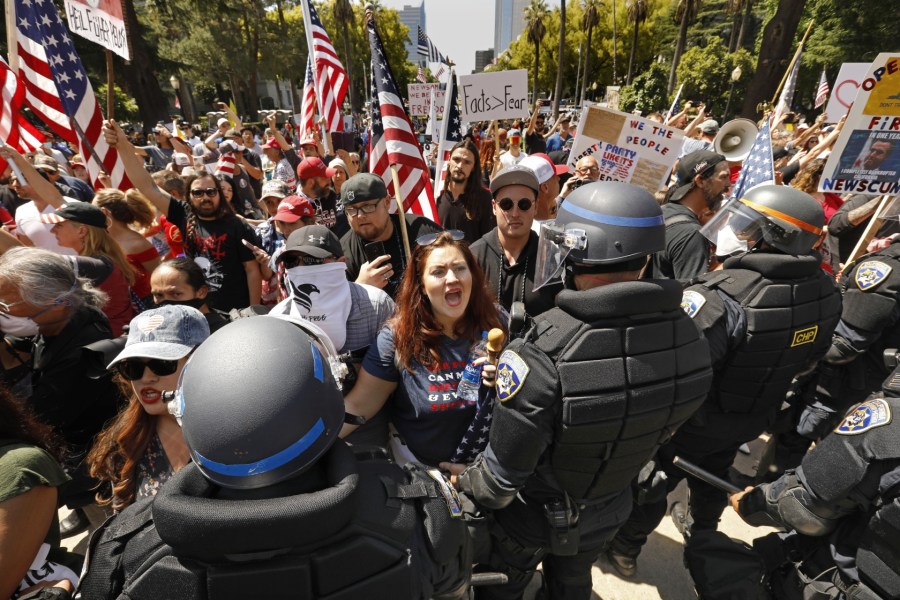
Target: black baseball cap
x,y
363,187
315,240
77,212
691,165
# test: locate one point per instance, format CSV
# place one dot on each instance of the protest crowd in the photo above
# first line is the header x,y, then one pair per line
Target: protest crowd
x,y
250,363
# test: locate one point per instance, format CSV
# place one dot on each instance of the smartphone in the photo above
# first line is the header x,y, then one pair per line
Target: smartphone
x,y
373,250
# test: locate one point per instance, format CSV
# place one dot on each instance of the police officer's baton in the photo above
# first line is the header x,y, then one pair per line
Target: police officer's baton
x,y
704,475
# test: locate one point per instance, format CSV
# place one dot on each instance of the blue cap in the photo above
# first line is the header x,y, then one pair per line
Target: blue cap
x,y
167,333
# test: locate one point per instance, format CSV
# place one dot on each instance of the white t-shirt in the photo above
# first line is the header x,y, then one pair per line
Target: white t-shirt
x,y
508,160
28,223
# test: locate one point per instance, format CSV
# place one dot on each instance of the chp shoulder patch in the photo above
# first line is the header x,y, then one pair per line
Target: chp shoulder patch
x,y
692,302
868,415
871,273
511,374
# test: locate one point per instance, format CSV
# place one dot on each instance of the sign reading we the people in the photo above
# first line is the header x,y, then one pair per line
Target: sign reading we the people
x,y
628,148
100,21
866,156
495,95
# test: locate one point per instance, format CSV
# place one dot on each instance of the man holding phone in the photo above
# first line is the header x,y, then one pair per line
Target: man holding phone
x,y
374,246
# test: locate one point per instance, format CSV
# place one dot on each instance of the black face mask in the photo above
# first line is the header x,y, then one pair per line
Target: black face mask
x,y
193,303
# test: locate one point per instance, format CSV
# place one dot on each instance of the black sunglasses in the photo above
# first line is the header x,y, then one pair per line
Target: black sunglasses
x,y
132,369
200,192
524,204
296,259
430,238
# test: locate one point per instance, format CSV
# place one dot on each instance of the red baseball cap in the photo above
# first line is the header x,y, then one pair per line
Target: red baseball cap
x,y
272,143
312,166
542,166
308,141
293,208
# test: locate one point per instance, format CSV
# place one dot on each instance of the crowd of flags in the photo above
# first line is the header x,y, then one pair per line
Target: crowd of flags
x,y
329,74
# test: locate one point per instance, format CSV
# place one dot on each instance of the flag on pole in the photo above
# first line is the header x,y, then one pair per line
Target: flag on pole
x,y
307,122
674,104
330,77
758,167
822,92
57,88
451,133
15,129
420,75
790,86
393,140
427,49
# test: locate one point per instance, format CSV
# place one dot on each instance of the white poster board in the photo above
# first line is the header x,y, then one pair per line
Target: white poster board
x,y
495,95
866,156
420,98
844,90
100,21
628,148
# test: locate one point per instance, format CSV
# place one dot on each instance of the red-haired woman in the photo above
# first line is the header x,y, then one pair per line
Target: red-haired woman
x,y
418,359
143,446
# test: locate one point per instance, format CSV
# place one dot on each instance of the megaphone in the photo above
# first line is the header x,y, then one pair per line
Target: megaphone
x,y
735,139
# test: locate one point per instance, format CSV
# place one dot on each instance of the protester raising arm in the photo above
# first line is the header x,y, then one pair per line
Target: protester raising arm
x,y
134,167
534,115
44,189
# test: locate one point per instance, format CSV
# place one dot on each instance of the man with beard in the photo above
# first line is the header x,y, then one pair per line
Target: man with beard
x,y
876,154
464,203
315,185
703,180
213,236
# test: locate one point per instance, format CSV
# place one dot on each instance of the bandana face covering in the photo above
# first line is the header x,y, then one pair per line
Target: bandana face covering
x,y
320,294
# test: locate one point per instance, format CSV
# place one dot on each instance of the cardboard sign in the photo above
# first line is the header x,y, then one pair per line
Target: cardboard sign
x,y
628,148
100,21
844,90
866,156
497,95
420,99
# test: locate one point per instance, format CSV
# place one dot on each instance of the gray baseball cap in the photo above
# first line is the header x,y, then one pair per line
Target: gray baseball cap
x,y
167,333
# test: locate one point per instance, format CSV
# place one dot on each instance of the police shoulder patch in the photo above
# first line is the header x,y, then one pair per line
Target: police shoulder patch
x,y
871,273
692,302
868,415
511,374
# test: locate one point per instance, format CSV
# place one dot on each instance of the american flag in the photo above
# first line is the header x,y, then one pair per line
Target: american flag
x,y
57,88
822,92
790,86
420,75
475,439
427,49
393,140
15,129
451,133
331,78
758,167
307,122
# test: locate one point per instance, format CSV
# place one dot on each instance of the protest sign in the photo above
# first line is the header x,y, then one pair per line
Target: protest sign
x,y
628,148
496,95
420,98
844,90
100,21
866,156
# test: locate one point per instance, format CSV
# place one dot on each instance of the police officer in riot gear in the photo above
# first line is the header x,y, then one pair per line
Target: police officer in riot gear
x,y
843,504
273,504
768,315
587,396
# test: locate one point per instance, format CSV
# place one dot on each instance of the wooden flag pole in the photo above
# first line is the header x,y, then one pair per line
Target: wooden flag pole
x,y
110,85
793,60
11,43
401,212
871,230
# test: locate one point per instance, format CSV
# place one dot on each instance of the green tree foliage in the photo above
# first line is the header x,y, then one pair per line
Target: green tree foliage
x,y
647,93
706,75
125,107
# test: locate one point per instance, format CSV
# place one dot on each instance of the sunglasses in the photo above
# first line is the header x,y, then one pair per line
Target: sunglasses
x,y
200,192
296,260
366,209
524,204
430,238
132,369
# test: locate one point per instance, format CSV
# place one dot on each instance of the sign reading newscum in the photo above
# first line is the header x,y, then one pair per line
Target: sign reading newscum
x,y
866,156
495,95
628,148
100,21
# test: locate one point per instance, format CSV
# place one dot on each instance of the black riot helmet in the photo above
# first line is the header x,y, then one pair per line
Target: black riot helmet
x,y
785,218
259,402
601,224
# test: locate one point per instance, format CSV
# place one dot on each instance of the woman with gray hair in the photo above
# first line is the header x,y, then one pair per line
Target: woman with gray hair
x,y
44,301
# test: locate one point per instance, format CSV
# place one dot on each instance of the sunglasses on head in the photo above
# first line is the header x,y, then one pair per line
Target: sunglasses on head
x,y
506,204
200,192
132,369
430,238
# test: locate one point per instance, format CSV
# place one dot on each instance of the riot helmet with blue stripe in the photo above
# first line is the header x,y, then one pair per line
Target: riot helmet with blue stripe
x,y
260,401
602,226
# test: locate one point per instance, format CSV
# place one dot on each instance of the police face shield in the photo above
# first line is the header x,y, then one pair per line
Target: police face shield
x,y
554,246
735,228
891,210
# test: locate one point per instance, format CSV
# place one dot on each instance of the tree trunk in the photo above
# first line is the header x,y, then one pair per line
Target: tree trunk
x,y
679,47
615,42
745,23
634,43
537,65
355,104
587,59
254,75
142,83
735,24
559,67
775,54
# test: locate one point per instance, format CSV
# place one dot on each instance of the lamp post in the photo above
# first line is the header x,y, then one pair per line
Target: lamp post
x,y
735,77
176,85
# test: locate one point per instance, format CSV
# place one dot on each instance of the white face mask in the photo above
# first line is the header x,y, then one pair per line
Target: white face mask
x,y
18,326
320,294
727,243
